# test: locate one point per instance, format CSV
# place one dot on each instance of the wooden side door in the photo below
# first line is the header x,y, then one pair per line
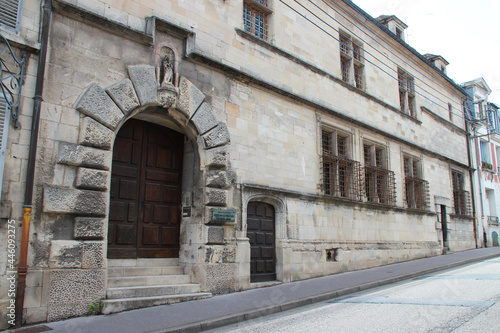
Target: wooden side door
x,y
261,232
145,195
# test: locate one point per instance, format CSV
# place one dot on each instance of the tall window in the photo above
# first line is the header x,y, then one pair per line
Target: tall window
x,y
351,61
255,17
378,180
461,198
10,15
416,188
341,175
406,93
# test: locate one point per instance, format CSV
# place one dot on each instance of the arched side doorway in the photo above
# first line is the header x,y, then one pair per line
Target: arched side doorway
x,y
145,193
261,231
494,237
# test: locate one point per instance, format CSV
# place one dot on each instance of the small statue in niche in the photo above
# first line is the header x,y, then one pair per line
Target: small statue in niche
x,y
166,72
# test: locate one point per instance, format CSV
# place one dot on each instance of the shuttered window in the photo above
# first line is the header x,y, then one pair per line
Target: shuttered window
x,y
4,127
10,15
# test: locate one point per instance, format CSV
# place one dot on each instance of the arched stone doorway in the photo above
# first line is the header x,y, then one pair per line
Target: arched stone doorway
x,y
494,237
145,193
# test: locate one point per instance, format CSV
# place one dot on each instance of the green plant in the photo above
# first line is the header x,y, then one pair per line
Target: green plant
x,y
96,307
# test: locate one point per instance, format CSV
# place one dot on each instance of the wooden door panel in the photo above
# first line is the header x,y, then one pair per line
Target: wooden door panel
x,y
261,234
145,194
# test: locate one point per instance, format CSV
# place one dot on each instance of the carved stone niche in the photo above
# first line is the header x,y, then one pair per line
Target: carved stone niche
x,y
167,68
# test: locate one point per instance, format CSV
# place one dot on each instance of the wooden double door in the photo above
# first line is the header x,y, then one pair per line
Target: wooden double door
x,y
145,194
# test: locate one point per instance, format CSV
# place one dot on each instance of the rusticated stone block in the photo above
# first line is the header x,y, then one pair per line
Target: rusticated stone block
x,y
217,137
95,103
220,178
215,235
59,200
65,254
72,290
218,158
190,97
216,197
89,228
93,255
123,94
221,278
92,179
94,134
77,155
144,80
204,119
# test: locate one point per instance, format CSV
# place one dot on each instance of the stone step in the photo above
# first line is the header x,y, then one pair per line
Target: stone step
x,y
143,262
147,291
122,304
142,271
150,280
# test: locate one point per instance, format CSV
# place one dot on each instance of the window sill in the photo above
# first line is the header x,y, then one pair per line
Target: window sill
x,y
20,42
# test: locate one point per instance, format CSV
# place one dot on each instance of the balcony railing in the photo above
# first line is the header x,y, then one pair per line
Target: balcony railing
x,y
493,220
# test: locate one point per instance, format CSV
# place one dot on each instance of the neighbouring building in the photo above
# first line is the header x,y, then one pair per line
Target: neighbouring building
x,y
193,148
485,141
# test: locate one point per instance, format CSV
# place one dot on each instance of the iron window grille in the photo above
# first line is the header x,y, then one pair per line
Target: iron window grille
x,y
255,18
461,197
416,189
379,182
341,175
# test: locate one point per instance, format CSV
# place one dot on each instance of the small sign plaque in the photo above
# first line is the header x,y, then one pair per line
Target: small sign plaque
x,y
222,215
186,211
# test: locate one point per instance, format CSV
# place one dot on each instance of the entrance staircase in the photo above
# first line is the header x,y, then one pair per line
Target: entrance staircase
x,y
140,283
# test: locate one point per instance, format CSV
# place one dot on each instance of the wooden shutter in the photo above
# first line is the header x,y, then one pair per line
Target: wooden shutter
x,y
10,15
4,127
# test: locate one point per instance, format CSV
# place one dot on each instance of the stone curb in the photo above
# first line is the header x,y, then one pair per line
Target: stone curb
x,y
239,317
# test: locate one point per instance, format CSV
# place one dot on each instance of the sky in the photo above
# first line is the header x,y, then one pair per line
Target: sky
x,y
465,33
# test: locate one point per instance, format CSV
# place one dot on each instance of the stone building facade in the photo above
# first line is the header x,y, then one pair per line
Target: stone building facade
x,y
485,143
188,149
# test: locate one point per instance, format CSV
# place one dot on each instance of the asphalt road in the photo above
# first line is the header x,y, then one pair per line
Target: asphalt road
x,y
461,300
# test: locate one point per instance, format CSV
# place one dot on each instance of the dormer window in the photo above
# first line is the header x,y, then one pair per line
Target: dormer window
x,y
395,25
437,61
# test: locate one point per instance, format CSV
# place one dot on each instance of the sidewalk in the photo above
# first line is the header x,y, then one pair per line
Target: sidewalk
x,y
195,316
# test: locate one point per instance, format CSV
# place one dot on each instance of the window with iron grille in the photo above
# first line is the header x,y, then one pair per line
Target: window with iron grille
x,y
351,61
461,197
379,182
10,15
406,93
341,175
255,17
416,189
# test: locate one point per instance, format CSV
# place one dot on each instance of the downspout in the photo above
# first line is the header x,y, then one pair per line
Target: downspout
x,y
22,269
471,179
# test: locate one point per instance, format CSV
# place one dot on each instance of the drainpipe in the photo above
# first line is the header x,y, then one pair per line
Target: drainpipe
x,y
22,269
471,178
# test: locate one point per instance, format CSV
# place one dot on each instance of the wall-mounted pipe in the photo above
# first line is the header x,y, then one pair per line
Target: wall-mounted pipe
x,y
22,269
